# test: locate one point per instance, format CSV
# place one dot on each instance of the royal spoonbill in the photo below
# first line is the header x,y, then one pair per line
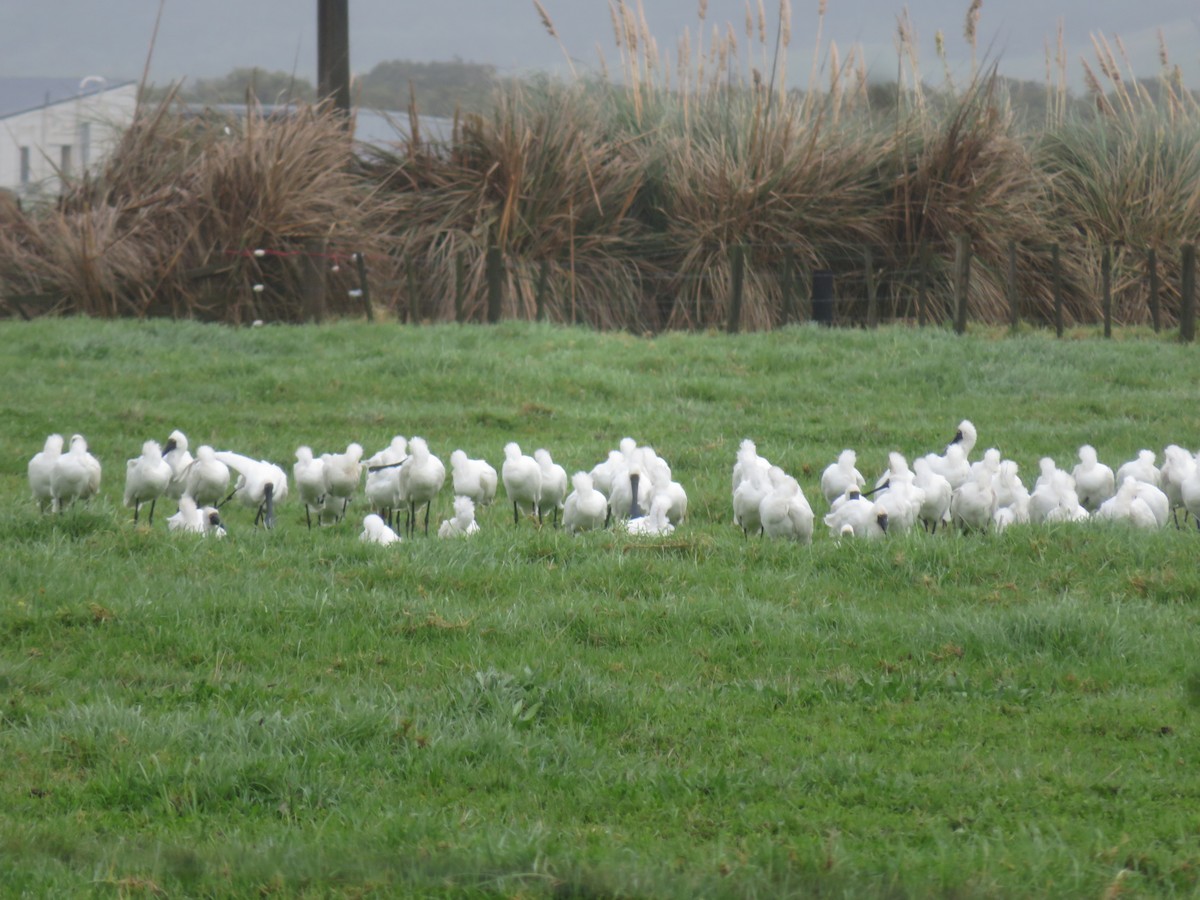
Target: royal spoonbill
x,y
146,478
935,508
853,514
474,478
1094,481
343,473
585,508
39,469
194,519
175,452
462,523
522,477
655,522
785,512
840,476
260,484
974,504
1178,465
207,477
421,477
1142,468
554,484
75,475
308,471
376,531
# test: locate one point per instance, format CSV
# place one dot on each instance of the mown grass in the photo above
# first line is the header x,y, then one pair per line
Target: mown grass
x,y
529,714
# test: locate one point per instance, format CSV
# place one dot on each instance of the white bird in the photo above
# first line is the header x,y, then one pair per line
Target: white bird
x,y
474,478
655,522
602,473
207,477
392,454
1178,465
1156,501
748,498
75,475
554,485
952,466
965,437
522,477
1126,505
175,452
343,474
855,515
39,469
1189,491
1054,498
785,512
1011,493
990,463
840,476
421,477
748,462
585,508
935,508
463,523
1094,481
663,483
194,519
146,478
376,531
632,489
260,484
1142,468
974,504
309,474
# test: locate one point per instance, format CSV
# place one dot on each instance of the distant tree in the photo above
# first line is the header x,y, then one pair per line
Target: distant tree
x,y
267,87
438,87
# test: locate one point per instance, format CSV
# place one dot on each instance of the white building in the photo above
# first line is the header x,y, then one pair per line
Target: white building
x,y
53,125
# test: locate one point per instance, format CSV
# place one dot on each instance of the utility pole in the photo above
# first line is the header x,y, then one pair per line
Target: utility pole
x,y
333,54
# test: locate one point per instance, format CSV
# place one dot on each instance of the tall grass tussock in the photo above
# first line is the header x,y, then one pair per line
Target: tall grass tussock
x,y
617,199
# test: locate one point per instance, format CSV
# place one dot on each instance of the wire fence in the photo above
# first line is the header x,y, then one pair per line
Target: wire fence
x,y
744,286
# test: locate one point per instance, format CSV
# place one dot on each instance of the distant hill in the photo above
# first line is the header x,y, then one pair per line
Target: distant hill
x,y
439,88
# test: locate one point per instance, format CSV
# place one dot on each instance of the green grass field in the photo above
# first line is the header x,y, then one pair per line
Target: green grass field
x,y
528,714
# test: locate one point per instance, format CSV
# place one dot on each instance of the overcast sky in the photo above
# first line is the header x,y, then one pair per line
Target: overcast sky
x,y
199,39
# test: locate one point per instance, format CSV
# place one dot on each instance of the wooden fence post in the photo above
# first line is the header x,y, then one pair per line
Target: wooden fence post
x,y
922,283
872,297
1152,266
1106,288
540,294
460,285
494,270
1056,275
1013,295
364,286
962,281
413,312
313,284
737,278
789,289
1187,299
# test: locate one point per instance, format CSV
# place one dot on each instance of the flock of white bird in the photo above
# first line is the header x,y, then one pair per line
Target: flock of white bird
x,y
633,487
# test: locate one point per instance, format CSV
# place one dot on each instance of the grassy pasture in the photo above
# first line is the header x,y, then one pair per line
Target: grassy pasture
x,y
529,714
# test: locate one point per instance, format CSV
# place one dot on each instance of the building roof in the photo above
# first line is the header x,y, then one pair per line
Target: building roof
x,y
18,95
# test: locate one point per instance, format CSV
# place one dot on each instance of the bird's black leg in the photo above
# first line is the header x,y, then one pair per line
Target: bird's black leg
x,y
136,506
269,518
516,519
227,499
307,517
427,505
152,502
